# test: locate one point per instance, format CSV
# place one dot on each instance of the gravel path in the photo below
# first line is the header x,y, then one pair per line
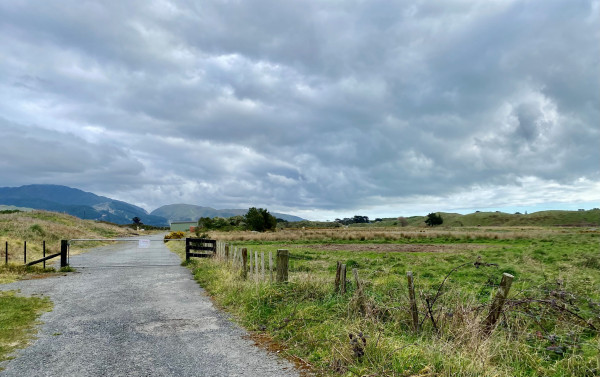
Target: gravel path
x,y
151,320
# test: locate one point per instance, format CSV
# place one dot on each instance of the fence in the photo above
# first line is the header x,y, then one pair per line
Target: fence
x,y
257,267
63,254
254,265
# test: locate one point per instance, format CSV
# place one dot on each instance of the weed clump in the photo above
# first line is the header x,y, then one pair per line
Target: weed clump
x,y
37,228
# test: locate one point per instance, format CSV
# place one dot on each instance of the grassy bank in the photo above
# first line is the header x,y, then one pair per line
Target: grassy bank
x,y
18,316
549,326
37,226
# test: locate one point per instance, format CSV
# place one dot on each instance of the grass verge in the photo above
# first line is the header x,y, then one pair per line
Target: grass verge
x,y
18,317
12,272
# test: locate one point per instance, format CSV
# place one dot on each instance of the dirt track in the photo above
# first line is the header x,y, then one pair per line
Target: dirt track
x,y
131,311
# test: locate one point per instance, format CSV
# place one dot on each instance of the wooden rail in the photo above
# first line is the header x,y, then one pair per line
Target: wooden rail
x,y
199,244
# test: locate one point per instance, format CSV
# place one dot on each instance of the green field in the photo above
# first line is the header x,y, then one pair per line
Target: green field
x,y
550,325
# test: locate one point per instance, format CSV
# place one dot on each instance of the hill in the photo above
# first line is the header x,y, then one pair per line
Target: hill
x,y
36,226
84,205
189,212
541,218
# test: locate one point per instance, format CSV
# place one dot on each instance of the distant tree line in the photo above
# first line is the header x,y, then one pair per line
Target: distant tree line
x,y
353,220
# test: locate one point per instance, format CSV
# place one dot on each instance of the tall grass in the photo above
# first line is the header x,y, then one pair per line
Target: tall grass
x,y
547,328
390,234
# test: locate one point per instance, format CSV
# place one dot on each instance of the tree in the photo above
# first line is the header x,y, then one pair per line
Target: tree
x,y
205,222
260,220
434,219
136,220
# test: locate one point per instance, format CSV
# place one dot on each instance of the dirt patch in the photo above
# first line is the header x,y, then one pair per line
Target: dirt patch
x,y
264,341
395,248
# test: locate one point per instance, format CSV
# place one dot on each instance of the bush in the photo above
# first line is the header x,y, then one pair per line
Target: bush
x,y
36,228
175,235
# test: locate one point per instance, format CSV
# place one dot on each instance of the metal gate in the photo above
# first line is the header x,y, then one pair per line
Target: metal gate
x,y
123,252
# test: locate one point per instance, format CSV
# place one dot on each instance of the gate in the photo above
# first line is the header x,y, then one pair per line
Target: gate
x,y
200,244
137,252
124,252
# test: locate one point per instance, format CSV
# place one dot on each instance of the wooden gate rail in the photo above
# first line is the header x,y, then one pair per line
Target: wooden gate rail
x,y
64,248
199,244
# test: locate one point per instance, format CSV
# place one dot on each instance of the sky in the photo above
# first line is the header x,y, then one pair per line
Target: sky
x,y
320,109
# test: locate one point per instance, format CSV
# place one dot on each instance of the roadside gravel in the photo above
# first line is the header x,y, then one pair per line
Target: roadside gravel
x,y
135,312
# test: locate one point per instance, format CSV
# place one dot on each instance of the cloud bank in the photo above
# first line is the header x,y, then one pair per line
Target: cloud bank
x,y
315,108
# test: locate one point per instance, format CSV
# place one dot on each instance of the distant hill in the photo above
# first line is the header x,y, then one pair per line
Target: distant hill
x,y
541,218
75,202
189,212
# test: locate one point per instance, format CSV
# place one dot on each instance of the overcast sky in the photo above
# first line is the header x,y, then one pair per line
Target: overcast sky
x,y
321,109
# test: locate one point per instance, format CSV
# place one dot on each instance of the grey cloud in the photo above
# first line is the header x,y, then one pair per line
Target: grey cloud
x,y
306,104
30,154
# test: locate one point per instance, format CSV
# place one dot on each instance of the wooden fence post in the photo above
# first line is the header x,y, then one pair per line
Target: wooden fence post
x,y
282,265
24,252
244,263
256,264
226,253
250,262
412,301
44,252
187,249
359,292
343,279
6,255
356,280
270,265
262,265
64,248
496,308
338,271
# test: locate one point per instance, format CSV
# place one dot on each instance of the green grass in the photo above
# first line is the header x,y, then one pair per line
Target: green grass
x,y
546,329
18,317
12,272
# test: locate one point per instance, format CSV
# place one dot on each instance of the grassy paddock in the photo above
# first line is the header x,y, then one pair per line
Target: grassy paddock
x,y
395,234
18,317
549,327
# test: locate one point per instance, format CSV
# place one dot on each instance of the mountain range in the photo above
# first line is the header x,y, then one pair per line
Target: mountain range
x,y
87,205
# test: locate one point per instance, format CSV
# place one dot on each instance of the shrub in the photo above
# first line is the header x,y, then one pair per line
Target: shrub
x,y
434,219
36,228
175,235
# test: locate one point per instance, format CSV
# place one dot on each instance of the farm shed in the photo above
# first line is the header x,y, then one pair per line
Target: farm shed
x,y
183,226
